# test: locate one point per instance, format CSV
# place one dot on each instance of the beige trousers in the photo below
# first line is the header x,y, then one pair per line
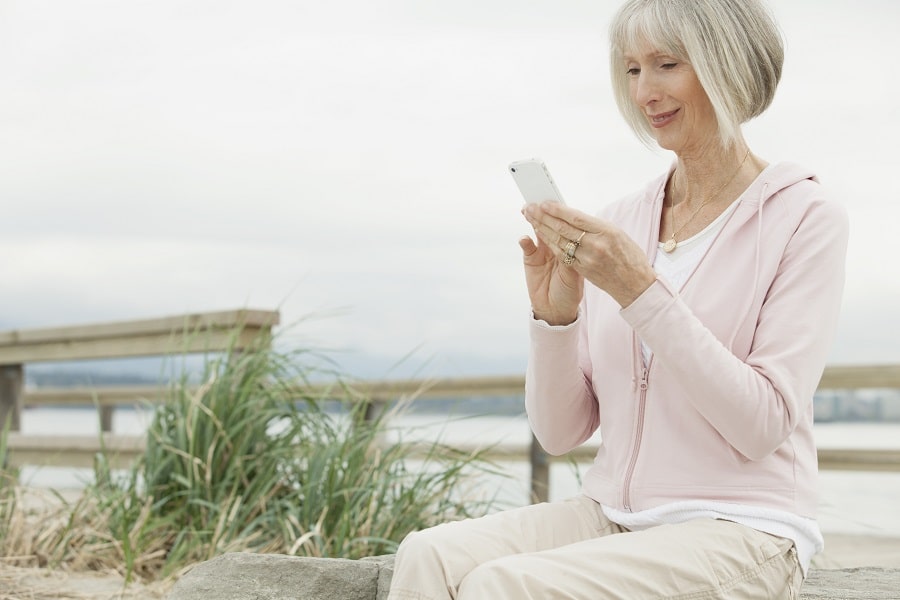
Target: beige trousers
x,y
570,550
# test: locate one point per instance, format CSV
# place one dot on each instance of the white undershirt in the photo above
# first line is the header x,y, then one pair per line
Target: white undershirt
x,y
676,267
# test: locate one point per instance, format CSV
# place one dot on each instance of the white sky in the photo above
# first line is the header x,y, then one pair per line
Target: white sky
x,y
344,161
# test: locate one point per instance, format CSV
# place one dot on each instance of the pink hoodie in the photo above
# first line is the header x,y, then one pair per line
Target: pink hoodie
x,y
724,410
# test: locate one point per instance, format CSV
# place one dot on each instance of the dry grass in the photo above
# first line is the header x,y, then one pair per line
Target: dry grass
x,y
53,546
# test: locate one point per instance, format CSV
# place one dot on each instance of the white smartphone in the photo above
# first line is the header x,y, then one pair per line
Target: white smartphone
x,y
534,181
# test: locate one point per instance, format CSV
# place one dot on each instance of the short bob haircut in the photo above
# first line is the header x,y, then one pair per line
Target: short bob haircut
x,y
734,46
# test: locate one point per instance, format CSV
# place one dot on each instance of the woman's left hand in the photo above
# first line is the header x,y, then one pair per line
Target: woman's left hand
x,y
605,255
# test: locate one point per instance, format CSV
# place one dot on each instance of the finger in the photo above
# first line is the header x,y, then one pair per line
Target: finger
x,y
550,239
527,245
554,231
562,249
562,238
574,218
546,228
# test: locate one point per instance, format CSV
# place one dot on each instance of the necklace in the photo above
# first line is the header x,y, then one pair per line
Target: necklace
x,y
672,243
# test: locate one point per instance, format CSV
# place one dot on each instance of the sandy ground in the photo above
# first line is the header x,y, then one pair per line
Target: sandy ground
x,y
41,584
847,551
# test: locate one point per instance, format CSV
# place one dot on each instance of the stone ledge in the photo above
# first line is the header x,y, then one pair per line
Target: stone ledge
x,y
865,583
244,576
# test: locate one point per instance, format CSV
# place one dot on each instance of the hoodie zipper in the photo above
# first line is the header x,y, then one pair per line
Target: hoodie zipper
x,y
641,386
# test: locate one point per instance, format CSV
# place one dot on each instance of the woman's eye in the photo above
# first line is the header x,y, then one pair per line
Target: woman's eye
x,y
633,71
668,66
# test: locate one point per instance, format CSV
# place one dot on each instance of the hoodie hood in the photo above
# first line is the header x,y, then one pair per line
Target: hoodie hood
x,y
775,178
771,180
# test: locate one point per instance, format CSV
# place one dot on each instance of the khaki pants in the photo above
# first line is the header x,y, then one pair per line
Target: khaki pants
x,y
570,550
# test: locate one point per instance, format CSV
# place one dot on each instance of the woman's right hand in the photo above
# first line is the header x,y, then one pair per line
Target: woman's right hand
x,y
555,289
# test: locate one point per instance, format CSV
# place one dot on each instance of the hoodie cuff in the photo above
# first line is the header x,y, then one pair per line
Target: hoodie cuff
x,y
655,300
554,342
542,324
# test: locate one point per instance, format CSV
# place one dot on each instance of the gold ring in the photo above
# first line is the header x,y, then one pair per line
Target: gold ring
x,y
578,241
570,249
568,259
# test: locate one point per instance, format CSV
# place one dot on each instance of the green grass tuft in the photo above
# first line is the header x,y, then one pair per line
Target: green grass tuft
x,y
248,461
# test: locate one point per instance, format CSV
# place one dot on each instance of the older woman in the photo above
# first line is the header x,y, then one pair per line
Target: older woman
x,y
690,322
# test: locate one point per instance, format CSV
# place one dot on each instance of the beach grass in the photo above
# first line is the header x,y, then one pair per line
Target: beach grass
x,y
246,461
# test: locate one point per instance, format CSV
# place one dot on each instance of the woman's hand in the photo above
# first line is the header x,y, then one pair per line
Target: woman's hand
x,y
555,291
605,256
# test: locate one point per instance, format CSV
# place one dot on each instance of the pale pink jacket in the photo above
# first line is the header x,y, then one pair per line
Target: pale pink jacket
x,y
724,410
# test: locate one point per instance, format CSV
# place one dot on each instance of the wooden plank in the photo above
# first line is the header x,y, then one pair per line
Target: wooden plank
x,y
79,451
72,451
845,459
860,377
502,385
101,396
138,345
192,322
376,391
835,377
187,333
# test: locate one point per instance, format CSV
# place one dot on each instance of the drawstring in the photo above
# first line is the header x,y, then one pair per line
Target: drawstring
x,y
756,262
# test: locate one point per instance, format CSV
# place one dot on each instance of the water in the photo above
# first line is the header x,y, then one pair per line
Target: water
x,y
850,502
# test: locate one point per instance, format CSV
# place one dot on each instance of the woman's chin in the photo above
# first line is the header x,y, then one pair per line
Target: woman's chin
x,y
671,143
666,144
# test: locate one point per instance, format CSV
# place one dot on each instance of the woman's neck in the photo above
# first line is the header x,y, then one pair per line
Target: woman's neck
x,y
699,178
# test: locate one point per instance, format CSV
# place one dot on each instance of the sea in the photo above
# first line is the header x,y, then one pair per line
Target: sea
x,y
851,502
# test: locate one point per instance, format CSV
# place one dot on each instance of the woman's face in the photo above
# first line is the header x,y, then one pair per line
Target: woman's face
x,y
674,103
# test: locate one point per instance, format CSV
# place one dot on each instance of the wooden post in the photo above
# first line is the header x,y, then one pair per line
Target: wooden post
x,y
375,407
106,417
11,388
540,472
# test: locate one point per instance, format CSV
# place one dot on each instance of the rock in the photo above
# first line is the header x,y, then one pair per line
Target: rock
x,y
866,583
385,573
243,576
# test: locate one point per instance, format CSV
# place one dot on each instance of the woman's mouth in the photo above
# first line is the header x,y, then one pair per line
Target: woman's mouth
x,y
662,119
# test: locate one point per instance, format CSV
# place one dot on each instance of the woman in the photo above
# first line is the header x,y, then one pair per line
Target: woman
x,y
690,322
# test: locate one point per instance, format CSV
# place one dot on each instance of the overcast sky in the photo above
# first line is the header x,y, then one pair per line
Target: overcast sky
x,y
345,162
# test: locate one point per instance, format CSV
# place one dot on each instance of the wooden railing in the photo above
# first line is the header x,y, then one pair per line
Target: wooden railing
x,y
237,329
836,377
212,332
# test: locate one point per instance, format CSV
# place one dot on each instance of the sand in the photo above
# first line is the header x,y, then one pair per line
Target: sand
x,y
844,551
18,583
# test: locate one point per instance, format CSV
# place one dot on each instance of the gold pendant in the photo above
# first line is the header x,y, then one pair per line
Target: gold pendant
x,y
670,245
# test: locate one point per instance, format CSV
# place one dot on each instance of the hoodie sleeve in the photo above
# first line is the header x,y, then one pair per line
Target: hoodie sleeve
x,y
560,403
755,403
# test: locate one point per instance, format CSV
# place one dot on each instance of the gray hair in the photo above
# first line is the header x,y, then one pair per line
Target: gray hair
x,y
734,46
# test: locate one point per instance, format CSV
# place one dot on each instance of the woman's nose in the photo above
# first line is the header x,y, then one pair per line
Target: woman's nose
x,y
645,89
